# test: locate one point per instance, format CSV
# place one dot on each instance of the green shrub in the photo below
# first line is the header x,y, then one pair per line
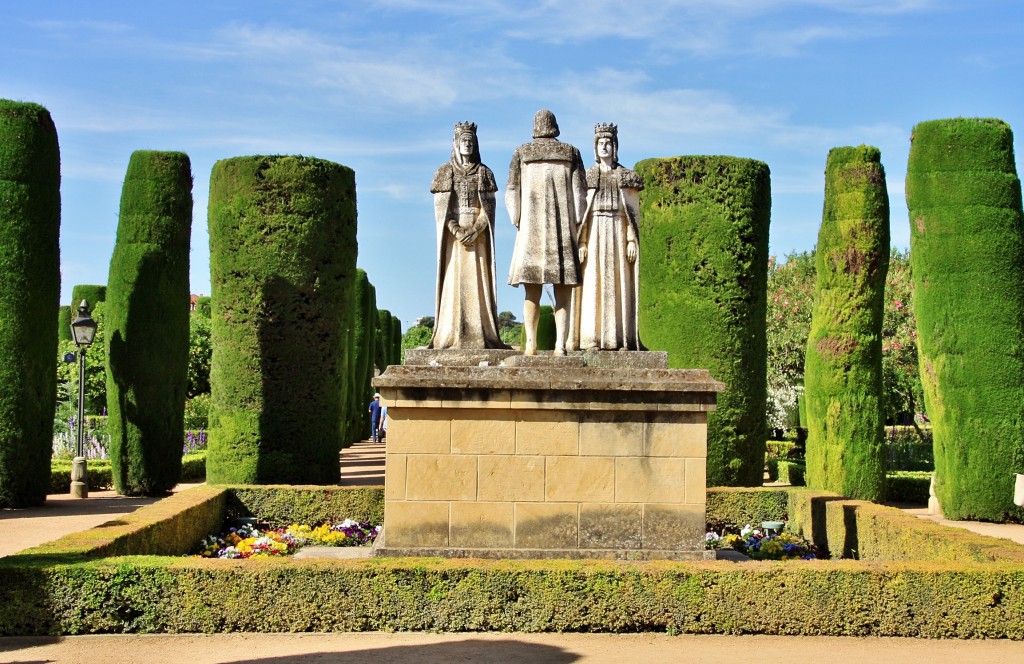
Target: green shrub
x,y
843,370
967,255
546,331
147,316
908,486
779,449
200,352
100,478
704,242
29,294
791,472
203,306
193,467
282,258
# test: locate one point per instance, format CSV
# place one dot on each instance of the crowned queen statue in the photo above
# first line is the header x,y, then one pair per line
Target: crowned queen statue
x,y
605,302
466,306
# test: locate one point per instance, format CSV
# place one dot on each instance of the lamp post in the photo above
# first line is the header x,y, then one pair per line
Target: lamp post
x,y
83,331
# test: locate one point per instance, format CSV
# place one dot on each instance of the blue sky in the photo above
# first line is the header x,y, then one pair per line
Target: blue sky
x,y
378,84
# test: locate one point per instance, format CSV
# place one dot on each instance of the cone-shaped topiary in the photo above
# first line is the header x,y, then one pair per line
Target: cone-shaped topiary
x,y
91,293
843,367
146,313
29,294
704,242
282,255
967,262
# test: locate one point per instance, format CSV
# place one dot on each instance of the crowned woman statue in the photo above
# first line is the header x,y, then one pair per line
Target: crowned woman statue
x,y
605,302
466,311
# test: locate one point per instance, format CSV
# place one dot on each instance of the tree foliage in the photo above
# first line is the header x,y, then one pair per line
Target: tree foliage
x,y
843,367
29,295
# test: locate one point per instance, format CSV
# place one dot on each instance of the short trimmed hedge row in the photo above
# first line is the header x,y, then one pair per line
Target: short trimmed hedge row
x,y
193,469
67,587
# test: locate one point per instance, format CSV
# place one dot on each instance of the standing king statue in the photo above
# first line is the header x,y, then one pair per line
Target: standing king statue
x,y
546,198
605,303
466,305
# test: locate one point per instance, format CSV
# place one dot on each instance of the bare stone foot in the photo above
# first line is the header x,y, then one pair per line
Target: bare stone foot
x,y
558,352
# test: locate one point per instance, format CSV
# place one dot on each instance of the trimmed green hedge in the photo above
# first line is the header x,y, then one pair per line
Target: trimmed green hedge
x,y
908,486
92,293
29,294
843,366
704,242
193,469
147,318
282,257
736,507
281,506
60,589
967,255
64,318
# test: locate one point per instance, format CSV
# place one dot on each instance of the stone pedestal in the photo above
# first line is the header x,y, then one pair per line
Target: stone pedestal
x,y
497,455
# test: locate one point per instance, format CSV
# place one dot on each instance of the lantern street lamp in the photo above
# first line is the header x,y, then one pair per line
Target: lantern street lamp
x,y
83,331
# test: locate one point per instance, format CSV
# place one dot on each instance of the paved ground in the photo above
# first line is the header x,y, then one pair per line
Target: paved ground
x,y
495,648
362,465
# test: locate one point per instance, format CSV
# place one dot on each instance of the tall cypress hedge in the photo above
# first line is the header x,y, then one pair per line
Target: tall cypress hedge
x,y
91,293
383,339
843,368
29,294
282,256
703,279
396,340
146,313
362,356
967,261
64,319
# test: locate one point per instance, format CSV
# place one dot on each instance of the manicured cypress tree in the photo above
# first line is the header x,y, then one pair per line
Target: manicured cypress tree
x,y
91,293
29,294
703,275
64,323
843,368
282,254
967,262
383,339
396,340
363,352
147,310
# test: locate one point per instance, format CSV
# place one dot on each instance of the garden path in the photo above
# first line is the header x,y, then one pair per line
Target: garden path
x,y
481,648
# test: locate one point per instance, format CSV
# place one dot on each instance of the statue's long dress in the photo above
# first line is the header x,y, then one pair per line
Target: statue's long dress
x,y
466,313
605,304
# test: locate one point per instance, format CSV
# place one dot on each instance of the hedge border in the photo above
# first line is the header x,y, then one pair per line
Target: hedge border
x,y
59,589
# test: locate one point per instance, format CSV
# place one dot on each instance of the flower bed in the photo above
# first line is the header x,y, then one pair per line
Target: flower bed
x,y
760,545
248,541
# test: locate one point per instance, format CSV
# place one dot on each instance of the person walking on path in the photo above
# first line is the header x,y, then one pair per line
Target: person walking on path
x,y
375,411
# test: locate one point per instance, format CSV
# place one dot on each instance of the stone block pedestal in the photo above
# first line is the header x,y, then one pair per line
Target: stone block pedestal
x,y
587,456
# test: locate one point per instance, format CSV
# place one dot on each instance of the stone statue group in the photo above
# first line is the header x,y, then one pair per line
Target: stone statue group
x,y
578,230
